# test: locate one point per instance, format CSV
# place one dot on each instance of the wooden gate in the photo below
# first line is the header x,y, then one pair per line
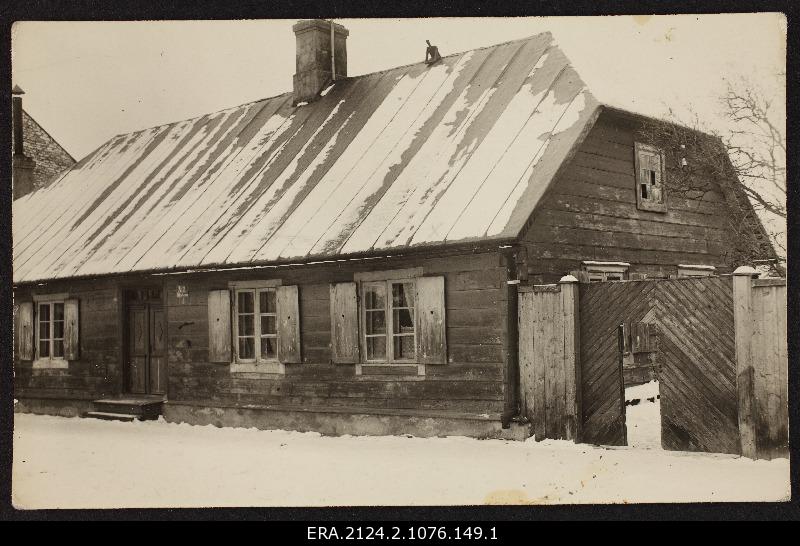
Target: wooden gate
x,y
694,354
548,350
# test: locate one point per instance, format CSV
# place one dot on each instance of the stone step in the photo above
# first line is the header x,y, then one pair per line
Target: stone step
x,y
143,408
108,416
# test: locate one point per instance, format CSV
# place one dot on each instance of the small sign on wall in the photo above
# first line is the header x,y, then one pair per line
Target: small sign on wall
x,y
182,293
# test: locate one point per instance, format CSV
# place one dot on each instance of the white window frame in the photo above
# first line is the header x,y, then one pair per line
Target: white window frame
x,y
389,323
606,271
392,275
50,361
258,364
696,270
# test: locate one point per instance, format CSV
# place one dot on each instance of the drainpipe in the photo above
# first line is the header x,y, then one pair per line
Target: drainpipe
x,y
511,410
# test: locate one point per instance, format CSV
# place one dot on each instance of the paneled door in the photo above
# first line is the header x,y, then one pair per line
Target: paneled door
x,y
146,360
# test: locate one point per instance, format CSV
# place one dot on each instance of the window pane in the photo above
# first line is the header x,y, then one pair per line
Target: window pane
x,y
268,325
375,296
376,348
246,325
268,347
376,322
44,330
44,348
58,347
44,312
403,321
247,348
58,311
266,302
403,294
245,302
58,329
403,347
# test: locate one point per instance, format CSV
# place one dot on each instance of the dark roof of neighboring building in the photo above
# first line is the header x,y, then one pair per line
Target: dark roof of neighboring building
x,y
458,151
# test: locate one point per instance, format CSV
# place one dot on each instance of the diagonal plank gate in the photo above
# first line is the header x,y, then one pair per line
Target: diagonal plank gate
x,y
716,344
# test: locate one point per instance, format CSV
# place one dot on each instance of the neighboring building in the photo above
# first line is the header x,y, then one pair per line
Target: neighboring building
x,y
38,158
349,264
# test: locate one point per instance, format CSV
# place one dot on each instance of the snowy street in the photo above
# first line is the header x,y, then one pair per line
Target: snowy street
x,y
84,463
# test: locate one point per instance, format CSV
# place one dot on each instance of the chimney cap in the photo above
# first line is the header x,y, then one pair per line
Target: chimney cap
x,y
17,90
304,25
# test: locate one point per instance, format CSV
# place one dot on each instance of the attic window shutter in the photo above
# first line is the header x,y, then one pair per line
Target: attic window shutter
x,y
431,337
219,326
288,307
25,330
344,323
71,326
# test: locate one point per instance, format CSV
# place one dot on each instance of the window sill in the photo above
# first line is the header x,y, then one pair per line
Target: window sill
x,y
385,368
258,367
50,364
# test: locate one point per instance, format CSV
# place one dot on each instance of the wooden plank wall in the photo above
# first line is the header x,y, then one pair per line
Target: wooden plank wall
x,y
472,381
590,213
548,364
97,370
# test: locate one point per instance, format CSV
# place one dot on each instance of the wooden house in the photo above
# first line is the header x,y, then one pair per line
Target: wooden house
x,y
345,257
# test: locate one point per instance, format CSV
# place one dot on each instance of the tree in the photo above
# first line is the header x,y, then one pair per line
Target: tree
x,y
747,160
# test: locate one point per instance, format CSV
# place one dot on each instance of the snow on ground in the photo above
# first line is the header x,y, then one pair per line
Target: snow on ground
x,y
643,416
84,463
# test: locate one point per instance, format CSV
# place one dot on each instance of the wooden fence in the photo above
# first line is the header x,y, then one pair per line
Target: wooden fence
x,y
548,350
761,364
716,344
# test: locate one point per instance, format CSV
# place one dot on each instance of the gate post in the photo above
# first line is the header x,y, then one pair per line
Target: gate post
x,y
572,369
745,376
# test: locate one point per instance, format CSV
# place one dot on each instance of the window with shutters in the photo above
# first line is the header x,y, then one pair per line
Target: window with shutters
x,y
265,329
55,331
400,321
650,178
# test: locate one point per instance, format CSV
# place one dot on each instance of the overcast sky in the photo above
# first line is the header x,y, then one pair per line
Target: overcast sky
x,y
88,81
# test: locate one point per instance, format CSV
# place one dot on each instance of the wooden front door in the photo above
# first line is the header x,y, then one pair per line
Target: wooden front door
x,y
146,360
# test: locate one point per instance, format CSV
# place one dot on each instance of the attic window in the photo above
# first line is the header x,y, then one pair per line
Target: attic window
x,y
692,270
606,271
650,179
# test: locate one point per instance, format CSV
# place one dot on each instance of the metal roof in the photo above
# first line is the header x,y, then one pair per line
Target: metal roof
x,y
458,151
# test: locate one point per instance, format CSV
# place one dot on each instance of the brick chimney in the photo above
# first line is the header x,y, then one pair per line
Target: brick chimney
x,y
314,61
22,165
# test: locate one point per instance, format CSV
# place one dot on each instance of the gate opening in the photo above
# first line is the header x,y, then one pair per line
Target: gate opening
x,y
638,346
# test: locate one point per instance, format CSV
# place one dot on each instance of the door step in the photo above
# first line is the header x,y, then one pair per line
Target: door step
x,y
106,416
141,408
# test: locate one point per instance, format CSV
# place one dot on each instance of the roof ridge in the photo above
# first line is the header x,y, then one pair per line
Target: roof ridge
x,y
385,70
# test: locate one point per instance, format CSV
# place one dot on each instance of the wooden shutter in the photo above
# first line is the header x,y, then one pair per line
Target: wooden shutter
x,y
25,328
344,323
431,337
219,326
288,324
72,347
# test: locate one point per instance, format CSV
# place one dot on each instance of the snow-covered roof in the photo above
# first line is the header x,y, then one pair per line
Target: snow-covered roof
x,y
417,155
